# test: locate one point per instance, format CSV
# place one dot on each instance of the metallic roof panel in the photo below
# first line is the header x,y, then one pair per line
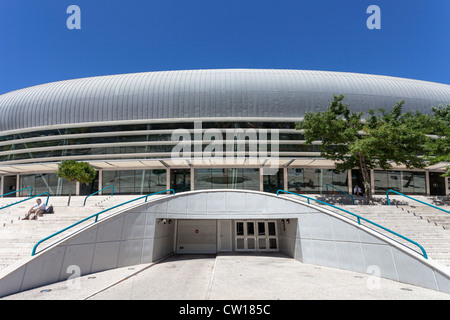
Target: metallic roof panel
x,y
256,93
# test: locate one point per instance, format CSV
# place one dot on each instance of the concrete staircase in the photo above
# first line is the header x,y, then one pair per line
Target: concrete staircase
x,y
425,225
18,237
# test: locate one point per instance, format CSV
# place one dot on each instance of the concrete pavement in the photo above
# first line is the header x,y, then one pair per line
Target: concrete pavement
x,y
228,277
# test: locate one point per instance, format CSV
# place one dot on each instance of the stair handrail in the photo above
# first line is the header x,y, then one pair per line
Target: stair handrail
x,y
29,198
428,204
31,192
33,252
353,199
359,218
112,192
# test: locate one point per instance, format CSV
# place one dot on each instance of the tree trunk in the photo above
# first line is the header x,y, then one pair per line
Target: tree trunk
x,y
366,177
70,193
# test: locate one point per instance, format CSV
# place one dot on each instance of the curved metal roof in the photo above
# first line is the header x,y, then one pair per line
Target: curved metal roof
x,y
227,93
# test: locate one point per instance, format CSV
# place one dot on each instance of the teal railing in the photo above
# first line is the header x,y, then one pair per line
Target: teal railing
x,y
96,217
112,192
31,192
359,218
329,185
389,202
29,198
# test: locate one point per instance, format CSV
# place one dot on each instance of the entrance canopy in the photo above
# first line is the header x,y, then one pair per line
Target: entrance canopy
x,y
188,163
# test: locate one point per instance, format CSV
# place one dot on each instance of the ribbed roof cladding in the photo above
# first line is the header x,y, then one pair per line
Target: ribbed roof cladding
x,y
208,94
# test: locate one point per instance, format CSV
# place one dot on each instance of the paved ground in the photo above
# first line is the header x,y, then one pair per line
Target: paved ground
x,y
228,277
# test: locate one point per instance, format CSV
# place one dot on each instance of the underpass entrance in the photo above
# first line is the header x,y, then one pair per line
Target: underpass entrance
x,y
204,236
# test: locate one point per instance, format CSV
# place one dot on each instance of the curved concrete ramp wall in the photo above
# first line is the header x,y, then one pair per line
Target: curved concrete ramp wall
x,y
134,236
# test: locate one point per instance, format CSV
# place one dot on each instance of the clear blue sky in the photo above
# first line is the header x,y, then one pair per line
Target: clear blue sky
x,y
152,35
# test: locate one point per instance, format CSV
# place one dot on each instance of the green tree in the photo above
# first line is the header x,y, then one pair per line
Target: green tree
x,y
438,149
75,171
377,141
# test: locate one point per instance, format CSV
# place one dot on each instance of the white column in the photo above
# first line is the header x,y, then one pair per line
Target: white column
x,y
17,184
446,186
167,178
100,181
372,182
285,178
350,182
261,180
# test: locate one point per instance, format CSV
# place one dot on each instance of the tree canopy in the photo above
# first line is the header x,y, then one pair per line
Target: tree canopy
x,y
438,149
375,141
75,171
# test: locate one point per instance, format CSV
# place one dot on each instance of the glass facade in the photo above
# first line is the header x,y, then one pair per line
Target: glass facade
x,y
273,182
226,178
299,180
88,188
112,141
154,141
180,180
407,182
46,182
309,180
135,181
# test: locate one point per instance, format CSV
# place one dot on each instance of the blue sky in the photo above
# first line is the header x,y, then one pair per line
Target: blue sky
x,y
152,35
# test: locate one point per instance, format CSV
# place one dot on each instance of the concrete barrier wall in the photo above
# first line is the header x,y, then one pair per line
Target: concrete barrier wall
x,y
125,239
136,235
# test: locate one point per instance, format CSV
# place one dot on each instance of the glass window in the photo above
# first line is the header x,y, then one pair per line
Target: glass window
x,y
226,178
407,182
261,229
250,179
47,182
239,228
135,181
272,231
310,180
250,229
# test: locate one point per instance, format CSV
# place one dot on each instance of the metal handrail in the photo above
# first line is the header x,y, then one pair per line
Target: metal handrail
x,y
29,198
359,218
389,202
31,192
112,192
33,252
353,199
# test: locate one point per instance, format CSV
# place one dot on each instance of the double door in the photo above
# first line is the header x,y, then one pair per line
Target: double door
x,y
256,235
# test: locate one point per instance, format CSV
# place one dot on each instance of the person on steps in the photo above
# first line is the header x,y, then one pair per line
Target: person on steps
x,y
36,210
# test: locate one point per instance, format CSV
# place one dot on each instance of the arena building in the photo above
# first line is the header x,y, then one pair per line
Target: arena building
x,y
198,130
225,142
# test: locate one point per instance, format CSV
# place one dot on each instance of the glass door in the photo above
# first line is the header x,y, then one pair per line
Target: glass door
x,y
256,236
245,236
267,236
180,180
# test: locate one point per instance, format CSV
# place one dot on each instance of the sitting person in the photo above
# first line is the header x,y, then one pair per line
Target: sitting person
x,y
357,190
37,209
